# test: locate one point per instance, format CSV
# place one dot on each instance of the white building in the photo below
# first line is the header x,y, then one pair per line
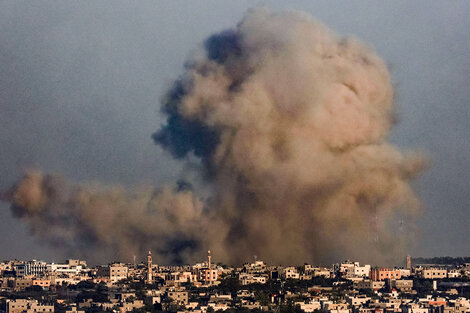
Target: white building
x,y
291,273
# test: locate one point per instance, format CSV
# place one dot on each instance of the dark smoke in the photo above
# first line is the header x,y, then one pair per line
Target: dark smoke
x,y
290,123
92,220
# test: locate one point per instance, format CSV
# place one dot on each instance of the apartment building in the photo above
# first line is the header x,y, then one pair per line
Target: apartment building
x,y
115,272
369,284
27,305
21,283
44,283
433,273
179,297
379,274
404,285
291,273
247,279
35,268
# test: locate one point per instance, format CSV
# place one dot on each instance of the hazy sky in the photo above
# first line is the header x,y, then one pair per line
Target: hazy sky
x,y
80,84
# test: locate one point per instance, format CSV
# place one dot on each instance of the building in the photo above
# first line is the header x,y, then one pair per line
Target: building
x,y
291,273
27,305
361,271
369,284
403,285
433,273
179,297
377,274
71,267
21,283
257,267
208,275
130,306
115,272
414,308
405,272
247,279
74,262
44,283
35,268
20,269
350,269
454,273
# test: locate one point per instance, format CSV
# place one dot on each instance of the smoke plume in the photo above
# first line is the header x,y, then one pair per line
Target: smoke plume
x,y
96,221
290,122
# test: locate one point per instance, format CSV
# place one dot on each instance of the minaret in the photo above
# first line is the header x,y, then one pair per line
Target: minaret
x,y
408,262
149,267
209,257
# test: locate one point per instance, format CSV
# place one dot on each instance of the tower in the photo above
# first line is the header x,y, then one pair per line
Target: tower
x,y
149,267
209,259
408,262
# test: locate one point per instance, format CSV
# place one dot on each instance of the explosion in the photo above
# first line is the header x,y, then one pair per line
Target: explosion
x,y
290,122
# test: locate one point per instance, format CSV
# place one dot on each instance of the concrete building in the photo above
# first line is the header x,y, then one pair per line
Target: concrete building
x,y
21,283
454,273
247,279
433,273
74,267
403,285
377,274
27,305
291,273
20,269
309,307
414,308
44,283
179,297
256,267
208,275
350,269
115,272
35,268
361,271
369,284
405,272
130,306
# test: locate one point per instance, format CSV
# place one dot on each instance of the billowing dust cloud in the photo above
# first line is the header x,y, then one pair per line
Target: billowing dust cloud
x,y
290,122
92,220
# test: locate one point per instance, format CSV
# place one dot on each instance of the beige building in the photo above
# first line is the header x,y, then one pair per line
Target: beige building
x,y
21,283
291,273
369,284
434,273
28,306
414,308
247,279
44,283
130,306
404,285
179,297
454,273
115,272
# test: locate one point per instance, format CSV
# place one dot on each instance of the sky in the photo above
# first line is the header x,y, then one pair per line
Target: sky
x,y
81,84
